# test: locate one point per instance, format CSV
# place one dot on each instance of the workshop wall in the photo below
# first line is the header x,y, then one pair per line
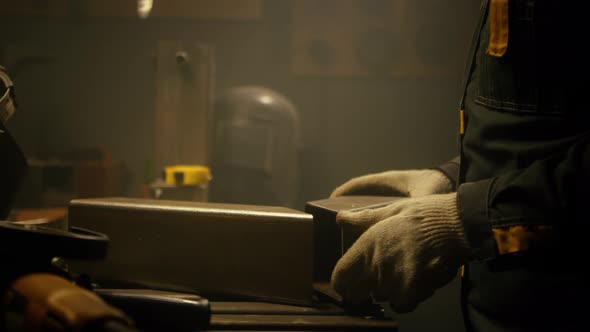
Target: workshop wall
x,y
89,81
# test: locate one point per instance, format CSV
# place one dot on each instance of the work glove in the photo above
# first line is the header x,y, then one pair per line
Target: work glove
x,y
410,249
408,183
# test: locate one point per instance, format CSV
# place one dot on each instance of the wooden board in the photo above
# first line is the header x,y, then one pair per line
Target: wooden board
x,y
53,8
184,98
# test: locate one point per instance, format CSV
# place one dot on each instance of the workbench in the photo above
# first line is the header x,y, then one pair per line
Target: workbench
x,y
183,312
259,316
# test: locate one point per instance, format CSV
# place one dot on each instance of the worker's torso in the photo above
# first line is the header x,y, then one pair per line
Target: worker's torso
x,y
524,106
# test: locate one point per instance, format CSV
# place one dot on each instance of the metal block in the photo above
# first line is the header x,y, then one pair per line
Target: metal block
x,y
214,250
332,240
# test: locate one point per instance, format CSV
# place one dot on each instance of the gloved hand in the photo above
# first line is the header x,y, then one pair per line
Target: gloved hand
x,y
413,247
409,183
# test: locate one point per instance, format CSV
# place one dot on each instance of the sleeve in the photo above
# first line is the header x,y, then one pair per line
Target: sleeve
x,y
530,207
451,170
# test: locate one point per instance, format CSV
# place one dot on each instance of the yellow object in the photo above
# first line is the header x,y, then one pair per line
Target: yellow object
x,y
461,122
187,175
498,19
519,238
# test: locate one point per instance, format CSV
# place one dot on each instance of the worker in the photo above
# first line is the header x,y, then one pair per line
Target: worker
x,y
510,212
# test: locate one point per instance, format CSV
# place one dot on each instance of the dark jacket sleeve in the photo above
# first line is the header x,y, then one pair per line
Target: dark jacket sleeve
x,y
451,170
552,192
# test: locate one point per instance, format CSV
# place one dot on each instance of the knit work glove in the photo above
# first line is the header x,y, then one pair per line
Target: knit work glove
x,y
409,183
413,247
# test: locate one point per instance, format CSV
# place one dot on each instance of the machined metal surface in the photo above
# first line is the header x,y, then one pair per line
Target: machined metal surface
x,y
321,316
214,250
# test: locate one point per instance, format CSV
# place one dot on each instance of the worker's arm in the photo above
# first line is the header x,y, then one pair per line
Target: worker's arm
x,y
530,207
414,246
451,170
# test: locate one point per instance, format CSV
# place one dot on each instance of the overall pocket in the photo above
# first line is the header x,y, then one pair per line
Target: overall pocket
x,y
527,79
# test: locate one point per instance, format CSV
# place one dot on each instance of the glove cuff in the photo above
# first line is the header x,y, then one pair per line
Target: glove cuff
x,y
441,225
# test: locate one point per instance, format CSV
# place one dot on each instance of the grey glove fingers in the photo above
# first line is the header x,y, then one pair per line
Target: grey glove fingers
x,y
368,217
371,184
348,186
431,182
349,278
414,247
364,218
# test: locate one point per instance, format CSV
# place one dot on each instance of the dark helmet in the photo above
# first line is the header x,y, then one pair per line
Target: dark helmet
x,y
255,145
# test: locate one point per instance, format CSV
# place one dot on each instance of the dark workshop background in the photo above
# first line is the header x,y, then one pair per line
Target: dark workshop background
x,y
90,81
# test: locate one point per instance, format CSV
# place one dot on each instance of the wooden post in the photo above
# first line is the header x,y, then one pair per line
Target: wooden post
x,y
184,98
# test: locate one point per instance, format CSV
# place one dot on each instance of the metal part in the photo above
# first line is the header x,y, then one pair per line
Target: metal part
x,y
214,250
331,240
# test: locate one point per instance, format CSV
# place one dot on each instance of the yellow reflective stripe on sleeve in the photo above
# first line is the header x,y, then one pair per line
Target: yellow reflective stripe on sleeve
x,y
498,21
520,238
461,122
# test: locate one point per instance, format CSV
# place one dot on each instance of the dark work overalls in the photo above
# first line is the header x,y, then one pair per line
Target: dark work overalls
x,y
524,179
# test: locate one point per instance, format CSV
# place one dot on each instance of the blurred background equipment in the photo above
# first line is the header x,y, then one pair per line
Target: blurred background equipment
x,y
255,147
183,183
374,38
144,7
79,173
